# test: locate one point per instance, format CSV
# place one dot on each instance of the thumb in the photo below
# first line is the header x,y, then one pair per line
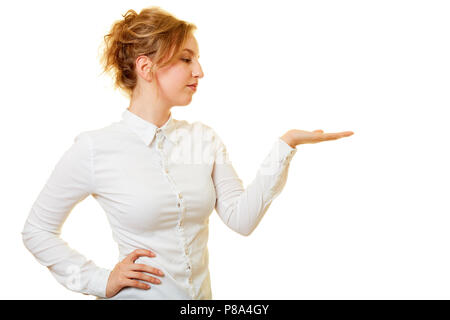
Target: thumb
x,y
321,131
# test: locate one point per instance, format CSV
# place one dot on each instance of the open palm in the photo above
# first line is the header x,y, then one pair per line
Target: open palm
x,y
295,137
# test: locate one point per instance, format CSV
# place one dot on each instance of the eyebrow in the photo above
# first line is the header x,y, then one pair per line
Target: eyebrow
x,y
190,51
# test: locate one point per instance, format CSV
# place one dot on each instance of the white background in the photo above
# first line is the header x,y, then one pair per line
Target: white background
x,y
363,217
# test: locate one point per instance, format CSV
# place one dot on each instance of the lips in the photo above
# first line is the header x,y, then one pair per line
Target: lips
x,y
193,86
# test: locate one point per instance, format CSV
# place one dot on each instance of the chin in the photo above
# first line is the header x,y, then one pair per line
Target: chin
x,y
184,103
187,101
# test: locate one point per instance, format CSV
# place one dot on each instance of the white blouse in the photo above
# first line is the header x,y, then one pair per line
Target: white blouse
x,y
158,187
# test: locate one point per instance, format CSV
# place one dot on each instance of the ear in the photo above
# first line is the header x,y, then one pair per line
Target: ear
x,y
143,67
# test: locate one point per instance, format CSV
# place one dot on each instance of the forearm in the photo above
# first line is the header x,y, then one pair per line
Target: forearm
x,y
242,209
70,268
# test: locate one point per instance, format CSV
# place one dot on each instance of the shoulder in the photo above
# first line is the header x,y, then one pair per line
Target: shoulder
x,y
102,136
104,132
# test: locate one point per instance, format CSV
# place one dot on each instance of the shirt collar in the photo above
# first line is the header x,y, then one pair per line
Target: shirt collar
x,y
147,130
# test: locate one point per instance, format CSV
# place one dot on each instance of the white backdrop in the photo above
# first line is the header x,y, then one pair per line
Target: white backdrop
x,y
363,217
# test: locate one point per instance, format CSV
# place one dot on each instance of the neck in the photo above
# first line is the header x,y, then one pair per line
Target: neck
x,y
149,111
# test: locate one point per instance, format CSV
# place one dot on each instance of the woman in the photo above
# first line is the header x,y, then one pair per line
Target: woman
x,y
157,178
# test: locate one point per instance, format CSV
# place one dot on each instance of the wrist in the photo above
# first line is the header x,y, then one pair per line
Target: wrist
x,y
288,139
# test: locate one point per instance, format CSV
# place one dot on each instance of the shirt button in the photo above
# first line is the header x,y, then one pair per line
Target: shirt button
x,y
179,195
166,170
178,204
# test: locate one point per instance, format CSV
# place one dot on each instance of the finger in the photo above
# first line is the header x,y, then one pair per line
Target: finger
x,y
136,284
345,134
146,268
142,276
337,135
132,257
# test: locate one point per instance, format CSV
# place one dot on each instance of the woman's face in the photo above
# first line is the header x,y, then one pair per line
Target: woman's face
x,y
173,80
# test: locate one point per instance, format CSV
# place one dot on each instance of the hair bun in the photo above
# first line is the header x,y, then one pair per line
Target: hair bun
x,y
129,17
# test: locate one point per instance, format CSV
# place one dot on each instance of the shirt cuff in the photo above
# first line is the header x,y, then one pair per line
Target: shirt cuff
x,y
97,286
284,151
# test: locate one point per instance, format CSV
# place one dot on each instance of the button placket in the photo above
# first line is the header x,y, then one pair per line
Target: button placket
x,y
181,210
159,140
180,229
164,162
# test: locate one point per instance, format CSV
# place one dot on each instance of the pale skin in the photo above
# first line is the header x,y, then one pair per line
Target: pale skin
x,y
294,137
145,103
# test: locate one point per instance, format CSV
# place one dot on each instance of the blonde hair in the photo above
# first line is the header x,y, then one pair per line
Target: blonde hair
x,y
153,32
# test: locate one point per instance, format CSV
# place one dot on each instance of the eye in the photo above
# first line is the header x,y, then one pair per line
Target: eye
x,y
186,60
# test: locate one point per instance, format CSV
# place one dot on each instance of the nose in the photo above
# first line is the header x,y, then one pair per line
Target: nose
x,y
197,71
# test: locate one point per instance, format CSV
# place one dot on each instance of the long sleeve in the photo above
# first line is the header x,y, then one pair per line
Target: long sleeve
x,y
242,209
71,181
